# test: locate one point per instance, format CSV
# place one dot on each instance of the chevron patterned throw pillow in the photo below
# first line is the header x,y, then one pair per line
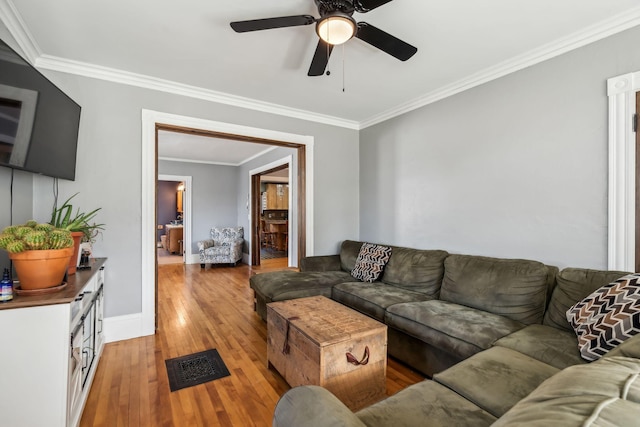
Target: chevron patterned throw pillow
x,y
370,262
607,317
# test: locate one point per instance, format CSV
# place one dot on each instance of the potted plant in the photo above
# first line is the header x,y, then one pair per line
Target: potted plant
x,y
78,224
40,253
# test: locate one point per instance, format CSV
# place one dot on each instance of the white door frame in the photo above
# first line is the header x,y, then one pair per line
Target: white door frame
x,y
186,219
622,171
292,229
152,118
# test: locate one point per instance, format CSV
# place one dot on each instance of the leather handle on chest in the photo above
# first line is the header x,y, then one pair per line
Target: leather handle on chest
x,y
365,358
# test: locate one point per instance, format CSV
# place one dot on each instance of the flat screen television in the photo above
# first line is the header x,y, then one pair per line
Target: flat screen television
x,y
38,122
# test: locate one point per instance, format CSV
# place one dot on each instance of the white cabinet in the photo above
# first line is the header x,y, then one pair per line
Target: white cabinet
x,y
41,350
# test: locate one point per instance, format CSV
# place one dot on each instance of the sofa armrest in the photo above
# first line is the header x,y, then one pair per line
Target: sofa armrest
x,y
320,263
204,244
313,406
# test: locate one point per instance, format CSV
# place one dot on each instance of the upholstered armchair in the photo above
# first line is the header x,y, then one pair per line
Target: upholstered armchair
x,y
224,247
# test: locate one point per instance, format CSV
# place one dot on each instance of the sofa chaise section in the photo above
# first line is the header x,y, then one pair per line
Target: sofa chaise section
x,y
285,285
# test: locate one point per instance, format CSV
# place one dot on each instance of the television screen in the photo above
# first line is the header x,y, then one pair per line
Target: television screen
x,y
38,122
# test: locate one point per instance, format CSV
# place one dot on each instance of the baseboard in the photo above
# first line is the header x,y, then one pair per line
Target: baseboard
x,y
123,327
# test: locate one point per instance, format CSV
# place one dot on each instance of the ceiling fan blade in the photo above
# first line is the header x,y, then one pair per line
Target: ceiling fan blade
x,y
269,23
364,6
385,41
320,59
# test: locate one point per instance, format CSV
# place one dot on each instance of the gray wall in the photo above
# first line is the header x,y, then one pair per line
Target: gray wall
x,y
108,172
18,207
514,168
213,196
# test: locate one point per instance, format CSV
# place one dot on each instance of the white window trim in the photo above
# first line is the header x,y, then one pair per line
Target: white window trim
x,y
622,106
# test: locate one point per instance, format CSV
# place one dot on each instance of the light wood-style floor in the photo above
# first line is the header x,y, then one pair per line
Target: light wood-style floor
x,y
198,310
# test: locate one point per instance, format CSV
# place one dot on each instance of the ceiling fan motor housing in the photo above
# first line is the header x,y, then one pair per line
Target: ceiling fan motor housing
x,y
330,7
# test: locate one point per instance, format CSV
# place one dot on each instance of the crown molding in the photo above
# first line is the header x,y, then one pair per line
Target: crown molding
x,y
133,79
576,40
16,26
18,29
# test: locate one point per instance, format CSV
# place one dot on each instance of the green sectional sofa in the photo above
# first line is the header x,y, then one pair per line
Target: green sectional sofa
x,y
491,333
440,308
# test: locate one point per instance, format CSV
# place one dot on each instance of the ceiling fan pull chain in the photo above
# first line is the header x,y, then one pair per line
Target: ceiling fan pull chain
x,y
343,68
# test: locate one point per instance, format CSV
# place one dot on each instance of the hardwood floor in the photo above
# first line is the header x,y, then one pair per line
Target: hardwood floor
x,y
198,310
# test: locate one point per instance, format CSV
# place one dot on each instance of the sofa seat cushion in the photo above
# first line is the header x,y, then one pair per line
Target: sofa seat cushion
x,y
514,288
373,298
456,329
553,346
603,393
496,379
218,251
422,404
573,284
283,285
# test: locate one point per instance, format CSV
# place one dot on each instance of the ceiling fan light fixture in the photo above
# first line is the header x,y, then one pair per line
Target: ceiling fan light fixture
x,y
336,28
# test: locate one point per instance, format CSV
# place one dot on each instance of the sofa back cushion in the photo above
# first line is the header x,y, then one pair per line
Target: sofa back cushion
x,y
513,288
415,269
573,285
349,251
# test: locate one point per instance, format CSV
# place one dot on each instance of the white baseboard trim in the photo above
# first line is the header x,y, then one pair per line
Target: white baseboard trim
x,y
124,327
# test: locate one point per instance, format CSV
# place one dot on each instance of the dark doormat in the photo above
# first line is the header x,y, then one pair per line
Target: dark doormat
x,y
194,369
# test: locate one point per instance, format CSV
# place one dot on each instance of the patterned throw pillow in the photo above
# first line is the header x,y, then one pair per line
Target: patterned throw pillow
x,y
370,262
607,317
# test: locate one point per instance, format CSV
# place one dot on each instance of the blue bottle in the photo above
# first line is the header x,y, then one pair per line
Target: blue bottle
x,y
6,287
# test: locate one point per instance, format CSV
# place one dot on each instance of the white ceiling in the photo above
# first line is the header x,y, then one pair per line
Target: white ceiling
x,y
202,149
188,44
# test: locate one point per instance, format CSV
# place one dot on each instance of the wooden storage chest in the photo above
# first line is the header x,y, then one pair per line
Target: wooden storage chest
x,y
318,341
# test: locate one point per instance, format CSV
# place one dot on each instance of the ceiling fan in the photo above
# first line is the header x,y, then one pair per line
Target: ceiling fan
x,y
335,26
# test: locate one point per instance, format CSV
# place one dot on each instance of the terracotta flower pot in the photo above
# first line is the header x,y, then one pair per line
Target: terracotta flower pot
x,y
41,269
73,262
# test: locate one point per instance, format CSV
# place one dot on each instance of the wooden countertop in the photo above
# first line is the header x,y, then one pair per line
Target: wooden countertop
x,y
75,283
275,221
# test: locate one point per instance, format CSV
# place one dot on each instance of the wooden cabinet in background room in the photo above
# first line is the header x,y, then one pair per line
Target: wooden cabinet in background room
x,y
179,197
277,196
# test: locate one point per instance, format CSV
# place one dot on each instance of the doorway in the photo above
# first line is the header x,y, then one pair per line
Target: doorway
x,y
272,206
152,121
173,243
